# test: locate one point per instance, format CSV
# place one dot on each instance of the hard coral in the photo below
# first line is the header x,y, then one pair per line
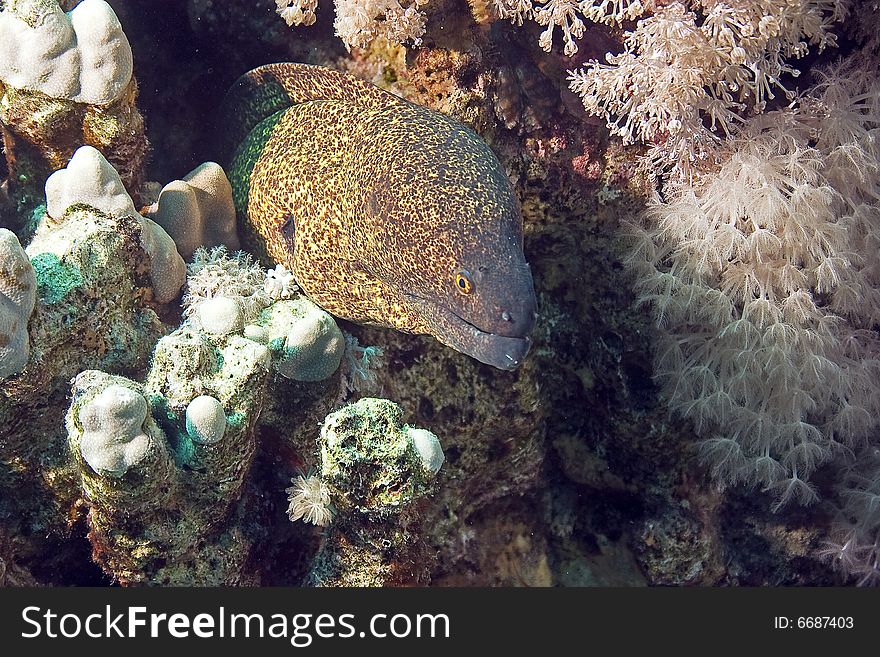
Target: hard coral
x,y
203,395
113,439
65,81
307,342
197,211
89,179
375,470
18,294
82,56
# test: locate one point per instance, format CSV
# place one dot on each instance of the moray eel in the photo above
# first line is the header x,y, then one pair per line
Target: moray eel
x,y
386,212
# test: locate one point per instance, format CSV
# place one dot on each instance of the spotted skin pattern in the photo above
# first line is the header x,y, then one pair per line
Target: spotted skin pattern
x,y
377,205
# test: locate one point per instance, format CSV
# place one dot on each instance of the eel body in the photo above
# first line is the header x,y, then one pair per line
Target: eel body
x,y
387,213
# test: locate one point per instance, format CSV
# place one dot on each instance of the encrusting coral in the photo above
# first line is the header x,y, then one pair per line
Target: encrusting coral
x,y
93,273
307,341
203,395
66,80
231,294
89,179
92,310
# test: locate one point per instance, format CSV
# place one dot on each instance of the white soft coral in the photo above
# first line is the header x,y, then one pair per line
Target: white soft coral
x,y
692,70
359,22
297,12
764,275
309,500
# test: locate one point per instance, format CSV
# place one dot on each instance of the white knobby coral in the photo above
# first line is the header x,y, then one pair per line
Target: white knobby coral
x,y
81,56
89,179
428,447
113,438
18,294
310,500
219,316
197,210
307,344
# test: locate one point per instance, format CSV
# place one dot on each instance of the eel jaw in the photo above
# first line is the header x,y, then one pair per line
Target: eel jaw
x,y
496,350
503,352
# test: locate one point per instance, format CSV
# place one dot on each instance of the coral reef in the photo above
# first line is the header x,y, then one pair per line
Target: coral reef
x,y
181,444
92,310
94,274
221,436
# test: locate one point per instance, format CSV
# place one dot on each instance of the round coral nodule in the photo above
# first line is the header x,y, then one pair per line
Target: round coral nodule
x,y
205,420
428,447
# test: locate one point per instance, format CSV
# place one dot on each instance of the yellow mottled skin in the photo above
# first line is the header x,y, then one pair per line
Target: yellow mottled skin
x,y
378,205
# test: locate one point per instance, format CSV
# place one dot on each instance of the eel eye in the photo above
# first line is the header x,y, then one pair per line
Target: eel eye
x,y
464,282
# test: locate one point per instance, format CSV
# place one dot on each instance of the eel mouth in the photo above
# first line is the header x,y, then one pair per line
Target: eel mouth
x,y
501,351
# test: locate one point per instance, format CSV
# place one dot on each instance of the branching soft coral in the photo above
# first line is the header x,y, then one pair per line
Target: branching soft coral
x,y
297,12
765,277
854,544
359,22
692,70
566,15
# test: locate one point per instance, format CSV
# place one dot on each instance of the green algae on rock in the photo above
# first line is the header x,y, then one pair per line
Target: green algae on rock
x,y
386,212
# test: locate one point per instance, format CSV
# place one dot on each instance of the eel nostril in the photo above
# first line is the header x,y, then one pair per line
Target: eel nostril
x,y
506,316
